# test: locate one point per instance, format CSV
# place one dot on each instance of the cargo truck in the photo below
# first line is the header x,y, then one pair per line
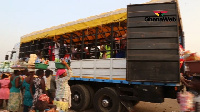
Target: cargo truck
x,y
142,48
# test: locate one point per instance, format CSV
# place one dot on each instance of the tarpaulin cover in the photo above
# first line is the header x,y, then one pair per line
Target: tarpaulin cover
x,y
90,22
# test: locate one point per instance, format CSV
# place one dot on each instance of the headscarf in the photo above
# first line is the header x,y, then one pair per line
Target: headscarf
x,y
60,72
44,97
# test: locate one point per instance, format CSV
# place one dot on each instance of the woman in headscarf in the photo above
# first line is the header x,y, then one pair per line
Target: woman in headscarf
x,y
4,89
63,92
15,96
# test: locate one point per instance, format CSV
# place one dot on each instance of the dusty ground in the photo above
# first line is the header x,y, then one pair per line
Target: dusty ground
x,y
170,105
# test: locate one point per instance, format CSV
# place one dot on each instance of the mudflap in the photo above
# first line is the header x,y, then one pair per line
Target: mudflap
x,y
171,91
149,93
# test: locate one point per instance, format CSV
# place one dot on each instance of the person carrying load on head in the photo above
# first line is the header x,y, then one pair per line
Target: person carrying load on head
x,y
63,93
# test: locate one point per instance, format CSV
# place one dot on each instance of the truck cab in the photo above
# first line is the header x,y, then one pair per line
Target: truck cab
x,y
11,58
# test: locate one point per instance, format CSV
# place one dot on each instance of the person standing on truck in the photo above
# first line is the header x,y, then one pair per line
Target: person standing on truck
x,y
4,89
63,92
15,95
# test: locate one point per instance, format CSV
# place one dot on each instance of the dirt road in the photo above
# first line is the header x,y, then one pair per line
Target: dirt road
x,y
170,105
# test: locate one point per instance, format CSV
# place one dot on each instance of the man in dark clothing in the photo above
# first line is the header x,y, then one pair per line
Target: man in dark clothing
x,y
50,84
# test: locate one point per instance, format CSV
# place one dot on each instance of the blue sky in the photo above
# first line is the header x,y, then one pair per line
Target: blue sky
x,y
20,17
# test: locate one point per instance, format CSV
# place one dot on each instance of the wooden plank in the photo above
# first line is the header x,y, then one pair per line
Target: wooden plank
x,y
153,57
151,7
153,46
140,21
152,41
170,12
156,34
153,71
166,43
152,29
157,52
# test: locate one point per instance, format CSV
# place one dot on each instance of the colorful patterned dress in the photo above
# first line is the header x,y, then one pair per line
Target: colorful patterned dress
x,y
15,97
38,89
63,92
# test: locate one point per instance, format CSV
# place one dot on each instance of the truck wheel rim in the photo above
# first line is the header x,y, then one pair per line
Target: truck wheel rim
x,y
76,97
105,103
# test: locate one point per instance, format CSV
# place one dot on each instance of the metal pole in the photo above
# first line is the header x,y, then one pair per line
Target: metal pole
x,y
82,46
96,37
51,50
70,50
111,41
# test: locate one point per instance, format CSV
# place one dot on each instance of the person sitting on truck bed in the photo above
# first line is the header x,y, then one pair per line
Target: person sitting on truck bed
x,y
102,52
92,52
122,52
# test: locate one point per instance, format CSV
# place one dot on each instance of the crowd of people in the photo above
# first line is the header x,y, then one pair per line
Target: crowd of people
x,y
37,91
102,51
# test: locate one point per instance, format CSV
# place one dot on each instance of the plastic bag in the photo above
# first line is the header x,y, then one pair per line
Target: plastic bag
x,y
186,101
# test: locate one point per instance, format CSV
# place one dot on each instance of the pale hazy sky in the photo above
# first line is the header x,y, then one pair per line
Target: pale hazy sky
x,y
20,17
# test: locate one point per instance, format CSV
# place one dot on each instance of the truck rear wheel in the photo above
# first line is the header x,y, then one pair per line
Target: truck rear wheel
x,y
91,92
107,100
80,97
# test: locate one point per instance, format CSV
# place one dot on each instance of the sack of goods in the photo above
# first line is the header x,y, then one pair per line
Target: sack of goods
x,y
32,59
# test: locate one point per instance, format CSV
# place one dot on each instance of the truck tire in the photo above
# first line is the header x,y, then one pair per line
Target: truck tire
x,y
91,92
80,97
107,100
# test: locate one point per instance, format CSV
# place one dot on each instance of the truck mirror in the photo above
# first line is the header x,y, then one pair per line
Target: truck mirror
x,y
13,52
11,56
6,57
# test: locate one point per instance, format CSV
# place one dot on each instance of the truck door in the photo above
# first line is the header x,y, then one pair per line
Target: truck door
x,y
153,32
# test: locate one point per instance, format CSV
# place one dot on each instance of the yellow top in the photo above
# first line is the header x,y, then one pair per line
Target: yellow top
x,y
90,22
